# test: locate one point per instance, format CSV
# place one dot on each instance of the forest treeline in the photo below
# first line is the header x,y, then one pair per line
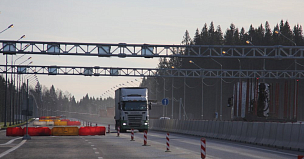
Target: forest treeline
x,y
189,90
50,101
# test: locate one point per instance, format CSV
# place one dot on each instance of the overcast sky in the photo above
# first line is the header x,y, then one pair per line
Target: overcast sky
x,y
126,21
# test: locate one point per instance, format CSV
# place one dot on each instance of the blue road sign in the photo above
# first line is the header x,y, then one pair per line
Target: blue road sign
x,y
165,101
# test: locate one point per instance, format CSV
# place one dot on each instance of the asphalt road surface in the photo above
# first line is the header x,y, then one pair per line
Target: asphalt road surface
x,y
111,147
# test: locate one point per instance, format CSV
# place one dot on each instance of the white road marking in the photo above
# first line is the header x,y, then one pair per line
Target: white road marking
x,y
100,157
11,141
186,151
94,148
92,145
89,142
12,149
96,152
250,147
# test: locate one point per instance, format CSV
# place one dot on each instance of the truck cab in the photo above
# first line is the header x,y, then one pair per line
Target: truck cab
x,y
132,108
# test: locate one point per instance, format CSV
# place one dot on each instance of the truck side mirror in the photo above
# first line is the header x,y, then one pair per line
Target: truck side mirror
x,y
119,107
150,106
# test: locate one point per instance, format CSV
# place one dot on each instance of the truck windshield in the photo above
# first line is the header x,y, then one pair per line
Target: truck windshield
x,y
134,106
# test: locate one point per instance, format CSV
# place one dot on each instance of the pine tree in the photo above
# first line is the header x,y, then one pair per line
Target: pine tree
x,y
186,39
251,34
229,36
259,38
268,35
219,40
197,38
298,37
242,36
212,35
205,35
275,36
286,31
236,37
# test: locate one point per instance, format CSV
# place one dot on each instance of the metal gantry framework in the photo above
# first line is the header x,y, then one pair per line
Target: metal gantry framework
x,y
150,50
152,72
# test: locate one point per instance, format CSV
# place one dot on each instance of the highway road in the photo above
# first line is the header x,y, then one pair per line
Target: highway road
x,y
110,146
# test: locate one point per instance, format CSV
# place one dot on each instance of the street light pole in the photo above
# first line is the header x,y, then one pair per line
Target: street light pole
x,y
10,26
172,99
5,98
249,42
164,96
221,102
202,114
17,82
296,81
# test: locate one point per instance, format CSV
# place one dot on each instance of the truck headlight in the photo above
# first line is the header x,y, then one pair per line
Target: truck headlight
x,y
146,123
124,123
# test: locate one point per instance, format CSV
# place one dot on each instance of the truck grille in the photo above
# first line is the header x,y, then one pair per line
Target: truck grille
x,y
134,120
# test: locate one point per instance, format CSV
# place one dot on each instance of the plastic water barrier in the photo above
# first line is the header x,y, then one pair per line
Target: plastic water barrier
x,y
38,131
65,131
15,131
94,130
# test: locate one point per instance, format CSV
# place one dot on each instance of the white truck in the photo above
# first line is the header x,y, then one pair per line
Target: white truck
x,y
132,108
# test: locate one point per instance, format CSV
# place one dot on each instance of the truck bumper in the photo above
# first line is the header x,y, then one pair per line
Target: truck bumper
x,y
129,127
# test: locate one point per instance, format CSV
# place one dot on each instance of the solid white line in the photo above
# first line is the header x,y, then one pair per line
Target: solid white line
x,y
11,141
12,149
239,145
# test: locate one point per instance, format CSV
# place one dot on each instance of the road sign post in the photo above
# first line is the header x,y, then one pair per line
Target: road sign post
x,y
165,102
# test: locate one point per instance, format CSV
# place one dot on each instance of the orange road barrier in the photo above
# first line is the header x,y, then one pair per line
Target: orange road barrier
x,y
60,123
65,131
